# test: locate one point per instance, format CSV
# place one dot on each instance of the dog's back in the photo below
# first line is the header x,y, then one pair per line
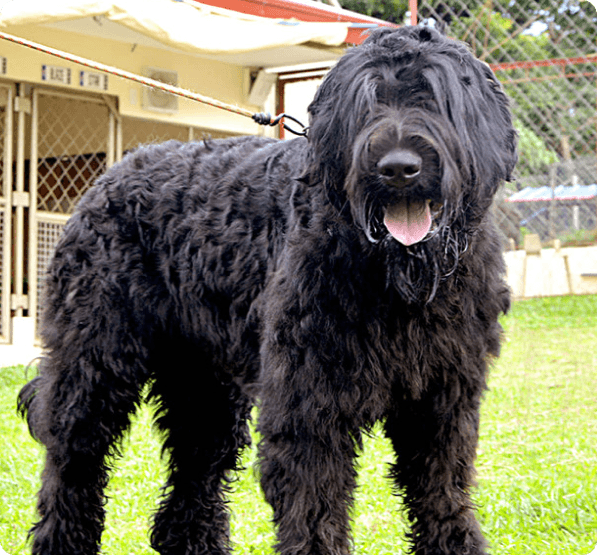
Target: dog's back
x,y
179,234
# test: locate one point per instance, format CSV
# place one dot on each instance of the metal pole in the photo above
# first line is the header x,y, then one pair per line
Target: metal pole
x,y
19,208
552,183
34,278
413,7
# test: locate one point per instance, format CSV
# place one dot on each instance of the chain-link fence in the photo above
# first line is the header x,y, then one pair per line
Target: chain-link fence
x,y
545,54
560,206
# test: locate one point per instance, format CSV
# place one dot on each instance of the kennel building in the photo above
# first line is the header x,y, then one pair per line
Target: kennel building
x,y
63,124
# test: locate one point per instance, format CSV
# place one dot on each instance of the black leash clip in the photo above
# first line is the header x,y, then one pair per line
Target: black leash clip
x,y
266,119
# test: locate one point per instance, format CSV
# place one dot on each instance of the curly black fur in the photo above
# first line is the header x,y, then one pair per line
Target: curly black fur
x,y
249,269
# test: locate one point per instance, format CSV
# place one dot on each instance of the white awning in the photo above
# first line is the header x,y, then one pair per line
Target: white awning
x,y
182,24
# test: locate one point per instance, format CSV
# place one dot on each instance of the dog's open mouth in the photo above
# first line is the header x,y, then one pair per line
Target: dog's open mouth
x,y
409,221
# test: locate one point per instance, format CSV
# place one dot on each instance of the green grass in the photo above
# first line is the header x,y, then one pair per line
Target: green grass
x,y
537,458
538,462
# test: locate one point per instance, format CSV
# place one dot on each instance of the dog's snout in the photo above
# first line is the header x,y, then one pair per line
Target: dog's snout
x,y
399,166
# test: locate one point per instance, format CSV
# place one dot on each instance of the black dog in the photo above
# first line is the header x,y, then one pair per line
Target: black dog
x,y
351,277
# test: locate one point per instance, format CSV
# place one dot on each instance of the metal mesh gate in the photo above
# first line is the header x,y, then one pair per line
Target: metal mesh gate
x,y
72,142
48,233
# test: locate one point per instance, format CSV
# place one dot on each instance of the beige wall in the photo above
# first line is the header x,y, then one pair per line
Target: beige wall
x,y
567,271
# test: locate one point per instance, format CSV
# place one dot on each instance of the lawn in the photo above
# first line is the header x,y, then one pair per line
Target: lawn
x,y
537,458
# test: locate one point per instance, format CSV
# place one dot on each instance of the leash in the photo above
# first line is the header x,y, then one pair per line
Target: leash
x,y
266,119
260,118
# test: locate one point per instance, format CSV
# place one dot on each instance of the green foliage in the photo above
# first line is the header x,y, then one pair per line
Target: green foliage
x,y
537,461
533,150
524,231
393,11
579,237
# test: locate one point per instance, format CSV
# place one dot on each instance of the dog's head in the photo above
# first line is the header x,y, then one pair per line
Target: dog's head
x,y
417,135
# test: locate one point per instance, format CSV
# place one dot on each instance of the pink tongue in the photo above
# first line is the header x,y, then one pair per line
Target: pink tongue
x,y
408,222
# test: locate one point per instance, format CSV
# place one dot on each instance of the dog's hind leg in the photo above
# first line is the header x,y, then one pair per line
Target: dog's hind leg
x,y
78,408
204,419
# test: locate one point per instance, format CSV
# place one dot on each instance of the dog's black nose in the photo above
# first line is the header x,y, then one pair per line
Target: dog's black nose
x,y
399,166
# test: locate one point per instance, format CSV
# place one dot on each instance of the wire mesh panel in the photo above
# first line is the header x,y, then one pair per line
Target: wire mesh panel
x,y
544,53
48,232
72,143
567,220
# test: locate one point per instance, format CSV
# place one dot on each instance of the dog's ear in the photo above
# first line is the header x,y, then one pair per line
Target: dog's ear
x,y
469,95
512,150
342,105
504,127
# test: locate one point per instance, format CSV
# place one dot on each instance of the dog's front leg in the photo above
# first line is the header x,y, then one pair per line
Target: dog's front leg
x,y
434,471
308,480
306,458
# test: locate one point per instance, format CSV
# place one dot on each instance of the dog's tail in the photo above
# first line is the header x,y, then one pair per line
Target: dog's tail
x,y
26,395
24,403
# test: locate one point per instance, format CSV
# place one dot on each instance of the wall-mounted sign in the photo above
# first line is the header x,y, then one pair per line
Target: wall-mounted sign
x,y
92,80
56,74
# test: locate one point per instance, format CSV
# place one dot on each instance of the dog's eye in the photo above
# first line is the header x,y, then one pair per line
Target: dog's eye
x,y
466,79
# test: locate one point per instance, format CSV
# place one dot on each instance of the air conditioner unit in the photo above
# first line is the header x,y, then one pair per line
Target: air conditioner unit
x,y
157,100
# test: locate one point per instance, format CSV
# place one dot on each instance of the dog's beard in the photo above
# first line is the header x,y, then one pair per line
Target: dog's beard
x,y
412,271
416,271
